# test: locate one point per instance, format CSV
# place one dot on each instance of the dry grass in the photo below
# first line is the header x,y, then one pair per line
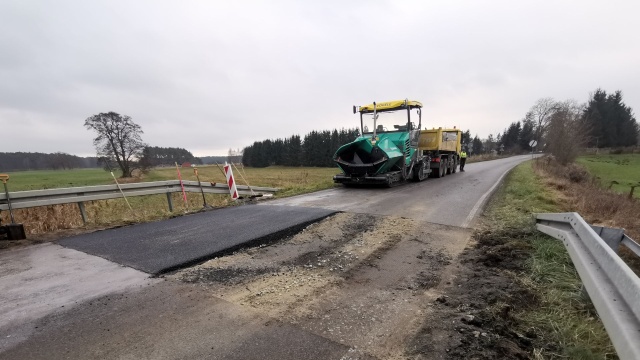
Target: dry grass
x,y
580,192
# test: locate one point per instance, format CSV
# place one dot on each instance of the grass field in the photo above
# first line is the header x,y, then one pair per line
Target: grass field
x,y
50,179
290,180
624,169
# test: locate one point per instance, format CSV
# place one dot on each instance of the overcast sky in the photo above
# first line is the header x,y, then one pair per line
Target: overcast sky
x,y
212,75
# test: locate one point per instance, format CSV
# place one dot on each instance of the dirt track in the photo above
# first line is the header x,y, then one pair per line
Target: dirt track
x,y
364,281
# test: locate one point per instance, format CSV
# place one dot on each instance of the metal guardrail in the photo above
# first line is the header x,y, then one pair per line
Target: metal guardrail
x,y
612,286
35,198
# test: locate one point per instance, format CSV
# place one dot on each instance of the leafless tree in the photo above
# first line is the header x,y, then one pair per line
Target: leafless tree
x,y
541,113
118,140
567,133
234,156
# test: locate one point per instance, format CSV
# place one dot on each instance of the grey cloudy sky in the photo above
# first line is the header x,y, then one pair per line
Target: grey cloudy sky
x,y
210,75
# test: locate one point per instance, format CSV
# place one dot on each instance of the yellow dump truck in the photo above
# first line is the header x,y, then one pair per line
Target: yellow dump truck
x,y
443,147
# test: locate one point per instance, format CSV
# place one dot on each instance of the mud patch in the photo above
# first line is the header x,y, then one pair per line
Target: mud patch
x,y
503,249
473,316
430,277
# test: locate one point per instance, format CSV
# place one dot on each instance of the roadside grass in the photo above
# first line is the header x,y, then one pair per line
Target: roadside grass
x,y
619,171
564,323
115,212
484,157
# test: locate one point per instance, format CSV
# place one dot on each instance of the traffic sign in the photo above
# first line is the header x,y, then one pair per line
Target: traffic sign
x,y
533,143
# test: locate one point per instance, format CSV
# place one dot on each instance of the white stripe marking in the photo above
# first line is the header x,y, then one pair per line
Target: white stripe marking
x,y
477,206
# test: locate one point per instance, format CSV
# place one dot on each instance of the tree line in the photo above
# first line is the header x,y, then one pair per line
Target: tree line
x,y
15,161
609,121
151,156
566,126
314,149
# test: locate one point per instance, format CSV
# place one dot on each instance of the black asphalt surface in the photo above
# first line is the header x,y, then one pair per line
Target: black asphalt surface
x,y
168,245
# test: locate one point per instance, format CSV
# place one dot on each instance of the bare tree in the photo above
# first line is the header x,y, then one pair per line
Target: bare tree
x,y
541,113
234,156
118,140
567,133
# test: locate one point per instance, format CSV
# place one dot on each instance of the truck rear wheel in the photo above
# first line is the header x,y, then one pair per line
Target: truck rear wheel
x,y
442,170
450,162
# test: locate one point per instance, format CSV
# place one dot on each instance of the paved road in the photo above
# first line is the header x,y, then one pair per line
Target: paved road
x,y
162,246
72,308
452,200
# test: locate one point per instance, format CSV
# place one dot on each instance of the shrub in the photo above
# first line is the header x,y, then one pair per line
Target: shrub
x,y
576,174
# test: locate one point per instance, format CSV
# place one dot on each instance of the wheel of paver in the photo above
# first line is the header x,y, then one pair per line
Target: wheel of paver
x,y
418,174
445,169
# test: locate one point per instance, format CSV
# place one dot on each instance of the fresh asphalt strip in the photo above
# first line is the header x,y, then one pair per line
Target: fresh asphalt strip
x,y
163,246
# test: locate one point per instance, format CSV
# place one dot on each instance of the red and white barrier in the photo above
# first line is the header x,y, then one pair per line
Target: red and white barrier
x,y
230,181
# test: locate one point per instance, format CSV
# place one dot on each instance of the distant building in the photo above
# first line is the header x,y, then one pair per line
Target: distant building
x,y
186,164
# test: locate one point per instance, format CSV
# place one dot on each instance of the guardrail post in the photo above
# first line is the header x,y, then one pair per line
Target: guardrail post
x,y
170,202
83,213
611,236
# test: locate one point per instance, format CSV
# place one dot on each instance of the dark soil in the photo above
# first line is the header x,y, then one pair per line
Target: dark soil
x,y
225,275
474,319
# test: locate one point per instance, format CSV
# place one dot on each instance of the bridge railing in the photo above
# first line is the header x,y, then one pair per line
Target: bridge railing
x,y
79,195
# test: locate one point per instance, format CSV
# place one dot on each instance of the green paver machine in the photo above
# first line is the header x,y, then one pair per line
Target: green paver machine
x,y
386,152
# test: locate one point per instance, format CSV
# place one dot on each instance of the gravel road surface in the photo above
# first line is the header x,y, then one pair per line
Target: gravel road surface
x,y
358,284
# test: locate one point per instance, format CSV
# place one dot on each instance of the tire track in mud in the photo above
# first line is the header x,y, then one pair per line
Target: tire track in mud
x,y
362,280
